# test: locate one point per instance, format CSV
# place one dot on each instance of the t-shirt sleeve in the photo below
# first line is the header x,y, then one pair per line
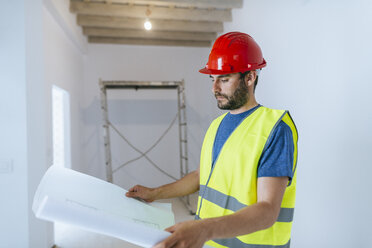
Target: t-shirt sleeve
x,y
277,158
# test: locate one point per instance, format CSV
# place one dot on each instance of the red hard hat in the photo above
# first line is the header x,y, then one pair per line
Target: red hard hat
x,y
234,52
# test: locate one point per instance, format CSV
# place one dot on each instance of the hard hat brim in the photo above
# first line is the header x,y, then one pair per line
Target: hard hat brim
x,y
214,72
205,70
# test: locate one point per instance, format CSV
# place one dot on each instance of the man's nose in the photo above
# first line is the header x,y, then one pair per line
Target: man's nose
x,y
216,86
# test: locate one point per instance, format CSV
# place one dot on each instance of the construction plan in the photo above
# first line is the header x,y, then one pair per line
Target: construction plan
x,y
74,198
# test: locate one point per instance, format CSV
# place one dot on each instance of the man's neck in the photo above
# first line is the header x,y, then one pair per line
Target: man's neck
x,y
250,104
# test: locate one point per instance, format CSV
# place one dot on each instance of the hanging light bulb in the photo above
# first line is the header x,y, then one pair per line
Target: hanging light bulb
x,y
147,24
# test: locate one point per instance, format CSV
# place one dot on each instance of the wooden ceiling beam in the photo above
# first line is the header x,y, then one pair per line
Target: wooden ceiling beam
x,y
156,12
157,24
143,34
219,4
152,42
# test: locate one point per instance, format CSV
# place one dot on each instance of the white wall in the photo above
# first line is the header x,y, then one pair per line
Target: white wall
x,y
35,53
13,186
64,67
151,112
318,55
23,122
64,49
66,21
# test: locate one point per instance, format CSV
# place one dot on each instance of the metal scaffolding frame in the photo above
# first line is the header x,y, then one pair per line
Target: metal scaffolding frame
x,y
182,124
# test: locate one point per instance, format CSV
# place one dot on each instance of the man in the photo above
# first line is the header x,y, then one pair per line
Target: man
x,y
246,179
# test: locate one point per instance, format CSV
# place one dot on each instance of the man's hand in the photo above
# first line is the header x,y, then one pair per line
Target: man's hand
x,y
185,186
142,192
189,234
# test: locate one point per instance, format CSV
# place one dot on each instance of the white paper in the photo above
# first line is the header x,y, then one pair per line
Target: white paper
x,y
77,199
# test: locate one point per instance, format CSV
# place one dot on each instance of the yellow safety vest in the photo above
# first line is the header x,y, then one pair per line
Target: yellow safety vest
x,y
232,182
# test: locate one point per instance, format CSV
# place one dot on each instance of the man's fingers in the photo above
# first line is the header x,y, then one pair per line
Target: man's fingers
x,y
140,192
133,189
131,194
171,229
166,243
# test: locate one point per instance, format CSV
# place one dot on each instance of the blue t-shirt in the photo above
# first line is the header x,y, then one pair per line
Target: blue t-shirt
x,y
277,158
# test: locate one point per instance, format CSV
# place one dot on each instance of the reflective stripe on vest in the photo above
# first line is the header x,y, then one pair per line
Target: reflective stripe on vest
x,y
234,242
232,182
229,202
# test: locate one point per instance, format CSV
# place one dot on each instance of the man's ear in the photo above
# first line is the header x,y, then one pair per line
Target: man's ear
x,y
250,78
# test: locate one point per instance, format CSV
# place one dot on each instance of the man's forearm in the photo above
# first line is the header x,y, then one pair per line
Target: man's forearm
x,y
184,186
256,217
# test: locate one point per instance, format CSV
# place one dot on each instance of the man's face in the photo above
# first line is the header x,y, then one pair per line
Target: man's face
x,y
230,91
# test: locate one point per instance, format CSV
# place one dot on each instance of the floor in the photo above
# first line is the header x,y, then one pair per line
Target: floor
x,y
72,237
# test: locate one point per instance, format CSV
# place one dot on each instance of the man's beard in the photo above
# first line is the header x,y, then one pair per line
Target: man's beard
x,y
236,100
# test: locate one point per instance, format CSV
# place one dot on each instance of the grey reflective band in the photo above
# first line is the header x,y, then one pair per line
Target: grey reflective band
x,y
285,215
237,243
220,199
231,203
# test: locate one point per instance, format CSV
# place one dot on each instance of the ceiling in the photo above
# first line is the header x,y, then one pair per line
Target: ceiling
x,y
192,23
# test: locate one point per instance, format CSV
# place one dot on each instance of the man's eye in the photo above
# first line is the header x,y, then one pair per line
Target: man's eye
x,y
224,80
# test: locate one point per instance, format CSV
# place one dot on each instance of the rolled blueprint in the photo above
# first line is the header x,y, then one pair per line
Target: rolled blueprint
x,y
81,200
